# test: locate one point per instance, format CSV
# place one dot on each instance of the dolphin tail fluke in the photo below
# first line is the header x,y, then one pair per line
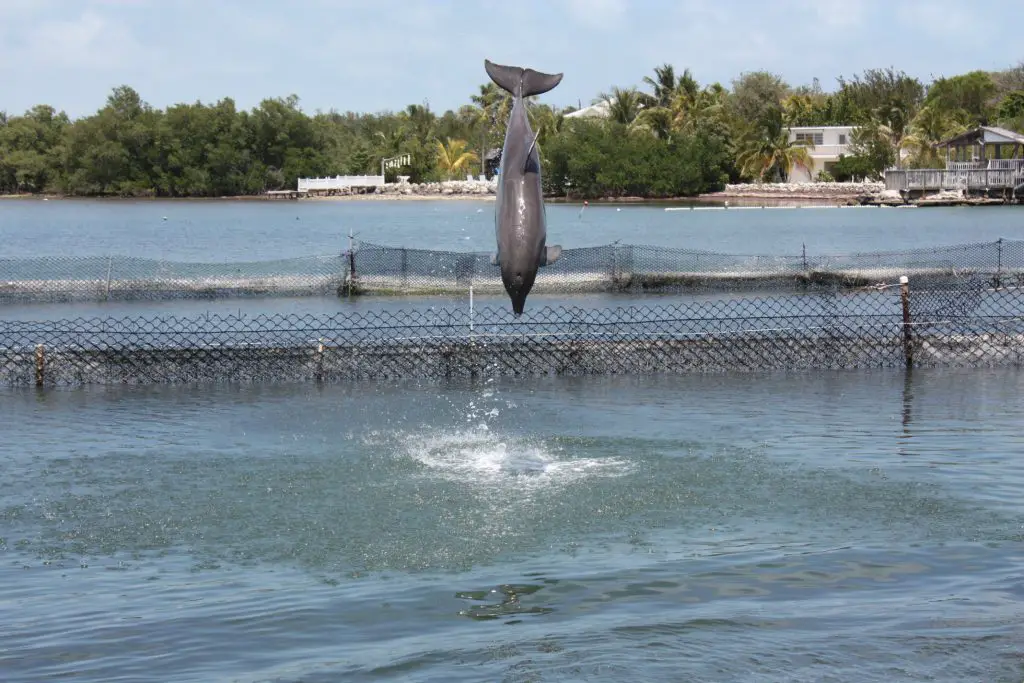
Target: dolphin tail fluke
x,y
551,254
537,83
521,82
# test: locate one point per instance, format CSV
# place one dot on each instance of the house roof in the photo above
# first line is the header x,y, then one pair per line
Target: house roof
x,y
988,134
809,128
599,110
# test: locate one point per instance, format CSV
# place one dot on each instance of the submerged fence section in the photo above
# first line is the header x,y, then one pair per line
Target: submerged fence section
x,y
370,269
886,327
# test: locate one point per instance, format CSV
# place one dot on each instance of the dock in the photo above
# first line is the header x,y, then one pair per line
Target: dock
x,y
976,165
342,184
286,194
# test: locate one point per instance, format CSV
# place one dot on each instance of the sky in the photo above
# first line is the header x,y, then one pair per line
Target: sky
x,y
374,56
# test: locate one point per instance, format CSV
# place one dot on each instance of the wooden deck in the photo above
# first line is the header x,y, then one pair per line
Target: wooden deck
x,y
286,194
1002,177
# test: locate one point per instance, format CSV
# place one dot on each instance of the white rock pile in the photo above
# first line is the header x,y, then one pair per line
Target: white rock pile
x,y
804,189
448,187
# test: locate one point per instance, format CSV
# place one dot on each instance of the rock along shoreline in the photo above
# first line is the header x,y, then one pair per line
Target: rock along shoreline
x,y
848,194
796,191
482,190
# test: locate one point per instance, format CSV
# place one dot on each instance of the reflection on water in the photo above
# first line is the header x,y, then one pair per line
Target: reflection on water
x,y
780,526
503,602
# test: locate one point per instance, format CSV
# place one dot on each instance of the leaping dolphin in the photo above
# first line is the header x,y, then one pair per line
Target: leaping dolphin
x,y
520,219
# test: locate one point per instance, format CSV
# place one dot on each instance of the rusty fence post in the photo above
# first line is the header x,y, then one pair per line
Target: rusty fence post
x,y
908,344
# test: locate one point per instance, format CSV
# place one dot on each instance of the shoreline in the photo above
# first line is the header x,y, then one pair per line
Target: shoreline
x,y
712,198
753,194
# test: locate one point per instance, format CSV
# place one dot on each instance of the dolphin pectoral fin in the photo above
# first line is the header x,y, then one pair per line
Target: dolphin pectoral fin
x,y
526,159
494,259
521,82
551,254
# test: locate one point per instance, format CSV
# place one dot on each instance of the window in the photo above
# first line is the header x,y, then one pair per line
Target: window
x,y
842,138
815,138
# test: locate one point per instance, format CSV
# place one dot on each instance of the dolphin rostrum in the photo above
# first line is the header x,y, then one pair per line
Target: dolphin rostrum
x,y
520,219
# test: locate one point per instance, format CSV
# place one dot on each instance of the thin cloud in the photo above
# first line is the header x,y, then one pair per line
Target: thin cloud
x,y
90,41
600,14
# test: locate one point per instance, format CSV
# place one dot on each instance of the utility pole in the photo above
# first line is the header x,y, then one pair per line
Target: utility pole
x,y
483,150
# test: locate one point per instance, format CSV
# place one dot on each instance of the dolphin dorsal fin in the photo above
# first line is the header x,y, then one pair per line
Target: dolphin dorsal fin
x,y
526,160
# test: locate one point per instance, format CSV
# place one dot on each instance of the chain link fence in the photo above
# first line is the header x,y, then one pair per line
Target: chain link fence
x,y
126,278
890,326
371,269
639,268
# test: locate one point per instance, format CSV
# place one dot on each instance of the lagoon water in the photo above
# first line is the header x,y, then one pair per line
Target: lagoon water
x,y
820,526
226,230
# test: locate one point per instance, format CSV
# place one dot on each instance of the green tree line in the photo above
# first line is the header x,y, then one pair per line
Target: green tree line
x,y
668,136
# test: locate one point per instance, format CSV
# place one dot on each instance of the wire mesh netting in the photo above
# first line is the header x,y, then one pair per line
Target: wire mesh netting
x,y
375,269
104,278
973,325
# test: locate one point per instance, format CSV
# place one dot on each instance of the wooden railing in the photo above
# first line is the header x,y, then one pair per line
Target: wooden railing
x,y
941,179
339,182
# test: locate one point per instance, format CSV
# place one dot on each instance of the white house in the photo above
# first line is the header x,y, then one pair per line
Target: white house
x,y
594,111
829,142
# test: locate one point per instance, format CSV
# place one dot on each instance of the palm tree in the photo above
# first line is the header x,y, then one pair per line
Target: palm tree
x,y
663,84
688,85
419,120
667,88
766,150
657,121
624,104
452,157
930,126
546,122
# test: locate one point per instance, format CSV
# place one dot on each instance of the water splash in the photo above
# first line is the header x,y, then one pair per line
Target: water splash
x,y
486,458
478,450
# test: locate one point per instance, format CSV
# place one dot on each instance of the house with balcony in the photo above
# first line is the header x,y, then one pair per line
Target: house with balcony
x,y
829,142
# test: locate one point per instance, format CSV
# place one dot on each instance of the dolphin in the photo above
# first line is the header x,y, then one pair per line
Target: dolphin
x,y
520,219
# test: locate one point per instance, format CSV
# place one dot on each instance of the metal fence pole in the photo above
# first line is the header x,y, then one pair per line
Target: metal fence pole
x,y
404,279
999,262
110,265
351,262
908,344
40,364
318,372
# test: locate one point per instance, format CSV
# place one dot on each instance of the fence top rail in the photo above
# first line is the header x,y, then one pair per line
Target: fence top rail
x,y
372,246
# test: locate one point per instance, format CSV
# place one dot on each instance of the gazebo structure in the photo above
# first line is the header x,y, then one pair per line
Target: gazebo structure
x,y
984,147
986,161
